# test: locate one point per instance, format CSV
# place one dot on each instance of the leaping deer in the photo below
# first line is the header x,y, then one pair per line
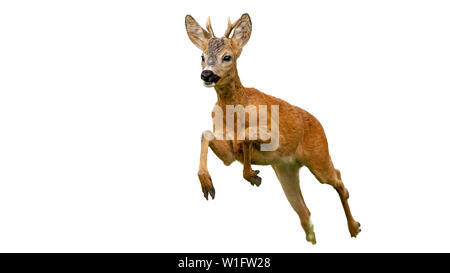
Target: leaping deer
x,y
301,138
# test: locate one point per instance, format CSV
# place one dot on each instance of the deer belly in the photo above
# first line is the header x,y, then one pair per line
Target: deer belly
x,y
257,157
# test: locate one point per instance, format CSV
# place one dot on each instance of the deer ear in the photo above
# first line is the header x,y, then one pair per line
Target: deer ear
x,y
242,31
196,33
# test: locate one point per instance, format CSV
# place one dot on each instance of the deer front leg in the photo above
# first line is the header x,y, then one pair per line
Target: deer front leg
x,y
223,151
249,174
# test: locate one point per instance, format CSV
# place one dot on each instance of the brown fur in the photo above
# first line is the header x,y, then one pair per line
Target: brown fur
x,y
302,140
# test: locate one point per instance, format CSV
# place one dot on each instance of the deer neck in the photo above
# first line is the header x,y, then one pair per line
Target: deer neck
x,y
232,93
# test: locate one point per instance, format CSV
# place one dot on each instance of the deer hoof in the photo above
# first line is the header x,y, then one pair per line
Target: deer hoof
x,y
310,235
253,178
207,186
209,191
354,228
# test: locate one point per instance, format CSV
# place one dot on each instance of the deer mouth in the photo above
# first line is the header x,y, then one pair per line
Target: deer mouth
x,y
211,80
209,84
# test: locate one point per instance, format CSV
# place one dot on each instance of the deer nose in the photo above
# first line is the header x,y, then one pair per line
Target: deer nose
x,y
207,75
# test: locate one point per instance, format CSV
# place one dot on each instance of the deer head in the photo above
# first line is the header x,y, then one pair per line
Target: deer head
x,y
219,54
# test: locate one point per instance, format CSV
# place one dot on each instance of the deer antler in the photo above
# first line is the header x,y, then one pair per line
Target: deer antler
x,y
230,27
209,28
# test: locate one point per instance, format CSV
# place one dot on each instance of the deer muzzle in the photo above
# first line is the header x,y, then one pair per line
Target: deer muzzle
x,y
209,78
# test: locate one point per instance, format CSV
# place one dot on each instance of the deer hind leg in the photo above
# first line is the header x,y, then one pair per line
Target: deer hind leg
x,y
325,172
288,175
223,150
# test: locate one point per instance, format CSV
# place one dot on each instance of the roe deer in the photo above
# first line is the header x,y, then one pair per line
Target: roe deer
x,y
301,138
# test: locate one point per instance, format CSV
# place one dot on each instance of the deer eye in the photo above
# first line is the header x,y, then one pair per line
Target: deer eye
x,y
227,58
203,58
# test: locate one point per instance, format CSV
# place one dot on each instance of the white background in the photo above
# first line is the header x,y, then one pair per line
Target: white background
x,y
102,108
